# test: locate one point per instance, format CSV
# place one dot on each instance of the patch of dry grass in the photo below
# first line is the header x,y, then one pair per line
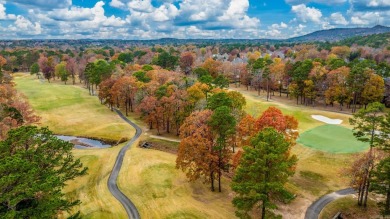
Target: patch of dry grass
x,y
91,190
159,190
349,209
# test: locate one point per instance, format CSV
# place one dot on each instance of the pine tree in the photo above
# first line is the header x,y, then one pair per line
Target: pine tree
x,y
34,168
264,169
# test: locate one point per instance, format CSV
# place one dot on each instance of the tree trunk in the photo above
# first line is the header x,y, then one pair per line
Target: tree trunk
x,y
126,106
212,181
158,127
267,89
366,193
219,181
219,170
263,210
387,205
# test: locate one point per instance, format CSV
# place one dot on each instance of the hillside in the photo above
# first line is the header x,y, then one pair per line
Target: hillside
x,y
374,40
340,34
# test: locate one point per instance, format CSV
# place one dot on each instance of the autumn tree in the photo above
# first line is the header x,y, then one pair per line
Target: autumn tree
x,y
367,123
197,92
374,89
196,155
338,86
47,67
106,93
14,109
60,71
341,51
246,129
273,117
262,173
123,92
186,62
3,61
212,66
71,68
276,74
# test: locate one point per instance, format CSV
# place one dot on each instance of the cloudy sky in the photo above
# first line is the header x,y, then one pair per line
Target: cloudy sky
x,y
153,19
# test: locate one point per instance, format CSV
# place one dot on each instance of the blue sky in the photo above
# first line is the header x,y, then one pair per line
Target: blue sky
x,y
152,19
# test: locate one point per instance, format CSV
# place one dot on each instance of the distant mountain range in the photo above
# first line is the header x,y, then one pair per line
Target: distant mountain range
x,y
339,34
330,35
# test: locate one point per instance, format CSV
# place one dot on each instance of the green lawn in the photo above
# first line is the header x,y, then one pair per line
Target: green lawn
x,y
70,110
333,139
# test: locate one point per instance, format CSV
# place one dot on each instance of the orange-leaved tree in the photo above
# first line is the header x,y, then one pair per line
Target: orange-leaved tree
x,y
196,155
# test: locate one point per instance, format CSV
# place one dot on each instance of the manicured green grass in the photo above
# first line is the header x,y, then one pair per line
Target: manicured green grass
x,y
70,110
256,105
333,139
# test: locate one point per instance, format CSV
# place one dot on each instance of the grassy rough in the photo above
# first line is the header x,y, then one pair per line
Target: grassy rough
x,y
159,190
349,209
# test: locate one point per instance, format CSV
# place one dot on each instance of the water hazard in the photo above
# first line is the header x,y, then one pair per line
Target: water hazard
x,y
83,143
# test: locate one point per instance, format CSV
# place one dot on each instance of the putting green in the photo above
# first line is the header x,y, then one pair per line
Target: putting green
x,y
332,138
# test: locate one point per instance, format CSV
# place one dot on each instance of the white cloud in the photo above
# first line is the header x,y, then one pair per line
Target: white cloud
x,y
25,27
282,25
370,18
369,12
307,14
72,14
338,18
326,2
43,4
4,15
370,4
274,33
117,4
165,13
358,21
378,3
141,5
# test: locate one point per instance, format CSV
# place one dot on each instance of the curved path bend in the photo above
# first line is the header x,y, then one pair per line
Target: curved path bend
x,y
314,210
131,210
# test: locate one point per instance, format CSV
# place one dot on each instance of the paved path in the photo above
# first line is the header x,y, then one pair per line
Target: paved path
x,y
314,210
131,210
165,138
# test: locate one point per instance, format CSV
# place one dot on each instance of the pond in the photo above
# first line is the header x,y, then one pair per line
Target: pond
x,y
83,143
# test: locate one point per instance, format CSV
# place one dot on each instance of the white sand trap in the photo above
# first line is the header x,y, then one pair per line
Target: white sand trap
x,y
327,120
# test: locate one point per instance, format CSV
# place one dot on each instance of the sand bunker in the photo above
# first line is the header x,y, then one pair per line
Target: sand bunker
x,y
327,120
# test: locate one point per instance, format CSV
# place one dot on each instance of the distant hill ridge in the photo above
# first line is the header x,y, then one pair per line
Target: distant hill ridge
x,y
330,35
340,34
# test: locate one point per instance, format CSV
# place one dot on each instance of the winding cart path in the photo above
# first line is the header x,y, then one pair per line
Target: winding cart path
x,y
129,206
